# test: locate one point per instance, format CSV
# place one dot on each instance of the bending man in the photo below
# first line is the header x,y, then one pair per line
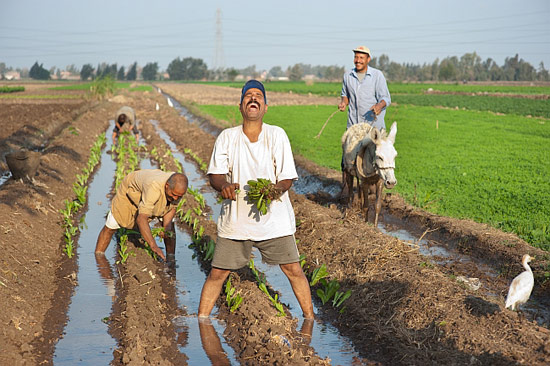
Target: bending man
x,y
125,120
142,195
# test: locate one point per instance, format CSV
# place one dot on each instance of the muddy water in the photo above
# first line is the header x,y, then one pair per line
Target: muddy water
x,y
326,339
86,340
189,280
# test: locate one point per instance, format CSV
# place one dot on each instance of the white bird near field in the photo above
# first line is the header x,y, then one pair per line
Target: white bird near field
x,y
521,286
157,107
170,102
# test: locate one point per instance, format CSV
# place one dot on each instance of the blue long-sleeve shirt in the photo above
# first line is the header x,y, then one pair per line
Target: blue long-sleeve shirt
x,y
362,95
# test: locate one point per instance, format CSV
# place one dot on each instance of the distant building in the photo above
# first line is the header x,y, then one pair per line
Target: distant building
x,y
12,75
66,75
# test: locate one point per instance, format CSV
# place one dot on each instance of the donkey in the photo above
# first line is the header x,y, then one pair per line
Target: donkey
x,y
369,156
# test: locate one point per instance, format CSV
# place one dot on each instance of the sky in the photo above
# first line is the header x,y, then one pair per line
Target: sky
x,y
269,33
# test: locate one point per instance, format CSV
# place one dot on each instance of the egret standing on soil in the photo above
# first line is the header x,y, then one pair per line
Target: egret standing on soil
x,y
247,152
142,195
365,91
125,120
521,286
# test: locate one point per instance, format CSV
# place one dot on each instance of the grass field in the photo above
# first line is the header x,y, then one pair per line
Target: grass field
x,y
11,89
333,88
413,94
490,168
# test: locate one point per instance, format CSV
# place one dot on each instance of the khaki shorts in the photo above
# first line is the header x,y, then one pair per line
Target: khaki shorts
x,y
235,254
111,222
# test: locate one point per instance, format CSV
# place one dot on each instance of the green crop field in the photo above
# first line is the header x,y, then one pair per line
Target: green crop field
x,y
506,105
333,88
490,168
11,89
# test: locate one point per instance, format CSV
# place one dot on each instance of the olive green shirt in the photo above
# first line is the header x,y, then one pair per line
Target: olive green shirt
x,y
141,192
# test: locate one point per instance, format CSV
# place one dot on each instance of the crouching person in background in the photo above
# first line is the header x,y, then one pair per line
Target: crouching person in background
x,y
143,195
125,120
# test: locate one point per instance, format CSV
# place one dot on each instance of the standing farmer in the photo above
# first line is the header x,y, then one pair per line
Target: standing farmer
x,y
365,92
142,195
247,152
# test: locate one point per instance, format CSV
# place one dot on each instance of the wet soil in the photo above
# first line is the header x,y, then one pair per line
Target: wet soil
x,y
37,278
404,309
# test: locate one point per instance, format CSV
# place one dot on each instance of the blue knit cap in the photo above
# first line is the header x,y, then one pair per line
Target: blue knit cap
x,y
253,84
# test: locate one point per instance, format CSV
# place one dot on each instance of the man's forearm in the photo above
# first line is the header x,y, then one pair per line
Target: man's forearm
x,y
143,226
217,181
284,185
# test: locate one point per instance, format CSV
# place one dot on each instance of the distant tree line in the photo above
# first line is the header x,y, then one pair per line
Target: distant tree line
x,y
469,67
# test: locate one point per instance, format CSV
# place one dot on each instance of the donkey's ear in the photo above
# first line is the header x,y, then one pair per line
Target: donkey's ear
x,y
375,135
393,132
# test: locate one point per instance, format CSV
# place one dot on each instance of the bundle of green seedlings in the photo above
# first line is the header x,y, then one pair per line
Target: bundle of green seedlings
x,y
262,285
261,193
80,188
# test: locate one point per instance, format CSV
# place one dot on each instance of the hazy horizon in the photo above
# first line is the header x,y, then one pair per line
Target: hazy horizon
x,y
62,32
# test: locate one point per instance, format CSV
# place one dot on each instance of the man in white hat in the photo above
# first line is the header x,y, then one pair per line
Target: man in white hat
x,y
365,92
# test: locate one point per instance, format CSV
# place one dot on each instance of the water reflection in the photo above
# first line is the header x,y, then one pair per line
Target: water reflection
x,y
307,330
106,273
211,343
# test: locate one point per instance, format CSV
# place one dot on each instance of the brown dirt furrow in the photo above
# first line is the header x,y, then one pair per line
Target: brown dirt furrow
x,y
145,306
38,278
208,94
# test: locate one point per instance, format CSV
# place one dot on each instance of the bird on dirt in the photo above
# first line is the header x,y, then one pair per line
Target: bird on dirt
x,y
157,107
521,286
169,102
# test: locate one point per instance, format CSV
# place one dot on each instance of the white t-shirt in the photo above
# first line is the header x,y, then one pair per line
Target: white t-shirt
x,y
241,160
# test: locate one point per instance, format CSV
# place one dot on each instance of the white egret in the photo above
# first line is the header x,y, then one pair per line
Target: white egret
x,y
157,107
170,102
521,286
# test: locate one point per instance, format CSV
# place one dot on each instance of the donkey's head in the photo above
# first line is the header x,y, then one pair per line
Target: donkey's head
x,y
380,156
